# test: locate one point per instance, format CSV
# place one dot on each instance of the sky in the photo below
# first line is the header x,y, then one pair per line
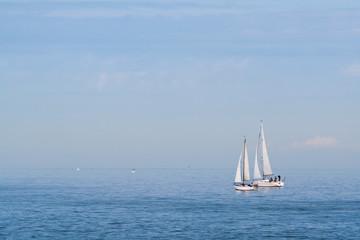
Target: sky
x,y
167,84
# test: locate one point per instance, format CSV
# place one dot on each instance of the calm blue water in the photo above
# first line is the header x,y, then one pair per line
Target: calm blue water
x,y
176,204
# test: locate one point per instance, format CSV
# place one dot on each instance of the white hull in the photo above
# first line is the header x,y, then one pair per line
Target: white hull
x,y
244,188
267,183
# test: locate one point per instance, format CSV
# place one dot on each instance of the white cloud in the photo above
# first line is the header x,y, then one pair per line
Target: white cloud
x,y
321,142
352,70
316,142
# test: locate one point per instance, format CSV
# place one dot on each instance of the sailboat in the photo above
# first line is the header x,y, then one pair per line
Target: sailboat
x,y
240,178
263,180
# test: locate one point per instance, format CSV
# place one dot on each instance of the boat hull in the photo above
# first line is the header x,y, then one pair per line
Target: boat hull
x,y
244,188
267,183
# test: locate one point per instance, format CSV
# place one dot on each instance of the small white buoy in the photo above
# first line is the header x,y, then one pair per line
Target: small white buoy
x,y
78,169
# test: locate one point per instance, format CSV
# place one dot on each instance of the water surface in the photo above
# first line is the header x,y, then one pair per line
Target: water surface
x,y
176,204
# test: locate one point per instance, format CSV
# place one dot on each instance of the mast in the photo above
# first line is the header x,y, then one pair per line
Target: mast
x,y
244,160
265,158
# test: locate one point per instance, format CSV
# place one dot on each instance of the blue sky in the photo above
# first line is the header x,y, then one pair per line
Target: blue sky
x,y
122,84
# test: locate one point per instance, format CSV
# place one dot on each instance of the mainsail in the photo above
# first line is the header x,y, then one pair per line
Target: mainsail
x,y
265,158
246,171
257,174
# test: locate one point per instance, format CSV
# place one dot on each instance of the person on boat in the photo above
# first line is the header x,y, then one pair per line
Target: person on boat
x,y
275,179
279,178
271,179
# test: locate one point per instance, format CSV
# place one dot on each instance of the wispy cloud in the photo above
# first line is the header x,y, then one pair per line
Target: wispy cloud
x,y
104,79
140,12
191,72
316,142
102,82
352,70
235,64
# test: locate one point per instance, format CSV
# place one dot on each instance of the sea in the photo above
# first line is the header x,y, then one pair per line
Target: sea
x,y
176,204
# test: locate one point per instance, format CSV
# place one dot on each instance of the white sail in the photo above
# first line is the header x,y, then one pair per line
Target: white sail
x,y
257,174
265,158
246,173
238,171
